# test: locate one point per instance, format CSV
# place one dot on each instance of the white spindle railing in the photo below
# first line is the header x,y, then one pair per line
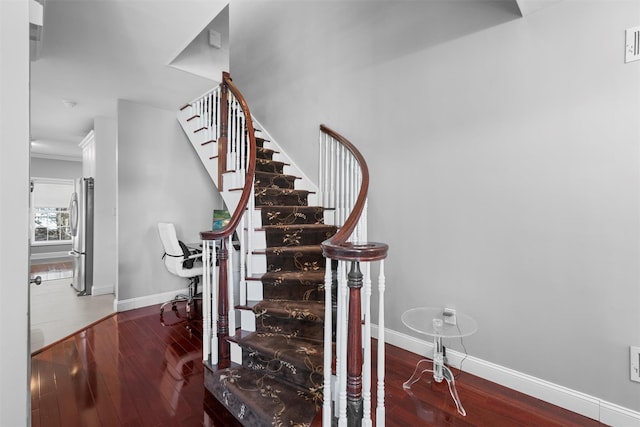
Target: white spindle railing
x,y
341,344
207,112
343,182
328,347
209,302
380,411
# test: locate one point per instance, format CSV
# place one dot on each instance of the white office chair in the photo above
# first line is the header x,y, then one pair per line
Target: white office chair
x,y
182,262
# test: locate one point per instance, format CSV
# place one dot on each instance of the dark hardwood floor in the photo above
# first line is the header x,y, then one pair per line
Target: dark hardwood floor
x,y
130,370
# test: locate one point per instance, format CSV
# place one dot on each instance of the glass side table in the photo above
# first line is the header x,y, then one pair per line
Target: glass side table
x,y
431,321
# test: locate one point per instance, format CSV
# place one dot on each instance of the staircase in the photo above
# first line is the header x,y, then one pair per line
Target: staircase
x,y
275,369
280,379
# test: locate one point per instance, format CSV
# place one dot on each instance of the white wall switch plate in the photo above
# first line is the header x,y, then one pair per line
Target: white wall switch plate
x,y
634,357
632,44
449,316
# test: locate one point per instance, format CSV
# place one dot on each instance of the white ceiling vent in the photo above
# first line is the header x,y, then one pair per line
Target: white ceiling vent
x,y
632,45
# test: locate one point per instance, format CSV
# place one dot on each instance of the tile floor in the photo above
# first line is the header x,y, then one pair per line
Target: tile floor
x,y
56,310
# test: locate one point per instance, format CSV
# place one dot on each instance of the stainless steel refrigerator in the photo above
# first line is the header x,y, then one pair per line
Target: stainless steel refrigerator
x,y
81,219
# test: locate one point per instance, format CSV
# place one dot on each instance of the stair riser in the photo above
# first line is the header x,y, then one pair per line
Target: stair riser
x,y
270,167
291,199
284,215
264,154
299,329
248,320
297,261
297,236
236,353
254,291
278,181
296,375
313,292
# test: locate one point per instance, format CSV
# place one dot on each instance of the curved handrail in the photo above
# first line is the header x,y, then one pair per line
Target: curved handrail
x,y
251,168
338,247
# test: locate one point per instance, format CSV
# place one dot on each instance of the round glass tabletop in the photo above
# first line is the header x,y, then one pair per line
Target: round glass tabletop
x,y
431,321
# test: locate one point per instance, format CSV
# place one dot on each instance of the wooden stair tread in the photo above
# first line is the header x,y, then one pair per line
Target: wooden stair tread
x,y
248,306
259,208
286,227
274,402
312,311
288,349
303,248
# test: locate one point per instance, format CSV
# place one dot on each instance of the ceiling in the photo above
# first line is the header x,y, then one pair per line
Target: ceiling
x,y
93,52
90,53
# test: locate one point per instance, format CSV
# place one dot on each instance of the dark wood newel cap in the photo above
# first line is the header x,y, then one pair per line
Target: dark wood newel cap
x,y
364,251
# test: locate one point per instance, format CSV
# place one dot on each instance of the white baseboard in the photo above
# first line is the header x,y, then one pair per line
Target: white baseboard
x,y
145,301
574,401
102,289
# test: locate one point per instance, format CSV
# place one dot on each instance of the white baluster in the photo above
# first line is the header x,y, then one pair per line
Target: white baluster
x,y
214,116
355,188
327,166
244,224
332,179
206,299
366,338
342,308
230,288
210,130
326,404
205,113
344,186
338,212
250,229
380,411
214,305
321,170
232,133
242,157
196,113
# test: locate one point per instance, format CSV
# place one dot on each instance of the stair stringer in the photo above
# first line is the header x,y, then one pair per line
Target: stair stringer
x,y
205,152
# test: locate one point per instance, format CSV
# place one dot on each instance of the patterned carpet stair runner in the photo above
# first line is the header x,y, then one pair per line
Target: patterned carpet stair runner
x,y
280,380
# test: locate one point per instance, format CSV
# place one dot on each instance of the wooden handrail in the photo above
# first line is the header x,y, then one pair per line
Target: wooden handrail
x,y
338,247
352,403
224,353
251,168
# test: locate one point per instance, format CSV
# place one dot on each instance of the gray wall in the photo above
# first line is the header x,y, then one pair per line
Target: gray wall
x,y
14,205
105,265
160,179
53,168
504,162
60,169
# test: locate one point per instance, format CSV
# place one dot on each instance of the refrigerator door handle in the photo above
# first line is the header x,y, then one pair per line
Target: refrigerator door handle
x,y
73,214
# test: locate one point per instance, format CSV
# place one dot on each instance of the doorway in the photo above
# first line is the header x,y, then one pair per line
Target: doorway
x,y
56,308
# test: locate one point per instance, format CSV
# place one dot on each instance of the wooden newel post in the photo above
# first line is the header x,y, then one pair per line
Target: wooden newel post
x,y
224,354
224,128
354,348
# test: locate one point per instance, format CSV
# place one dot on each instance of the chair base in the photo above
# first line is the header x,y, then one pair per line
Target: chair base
x,y
180,298
187,299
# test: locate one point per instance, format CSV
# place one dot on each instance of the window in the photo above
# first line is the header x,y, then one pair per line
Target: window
x,y
50,210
